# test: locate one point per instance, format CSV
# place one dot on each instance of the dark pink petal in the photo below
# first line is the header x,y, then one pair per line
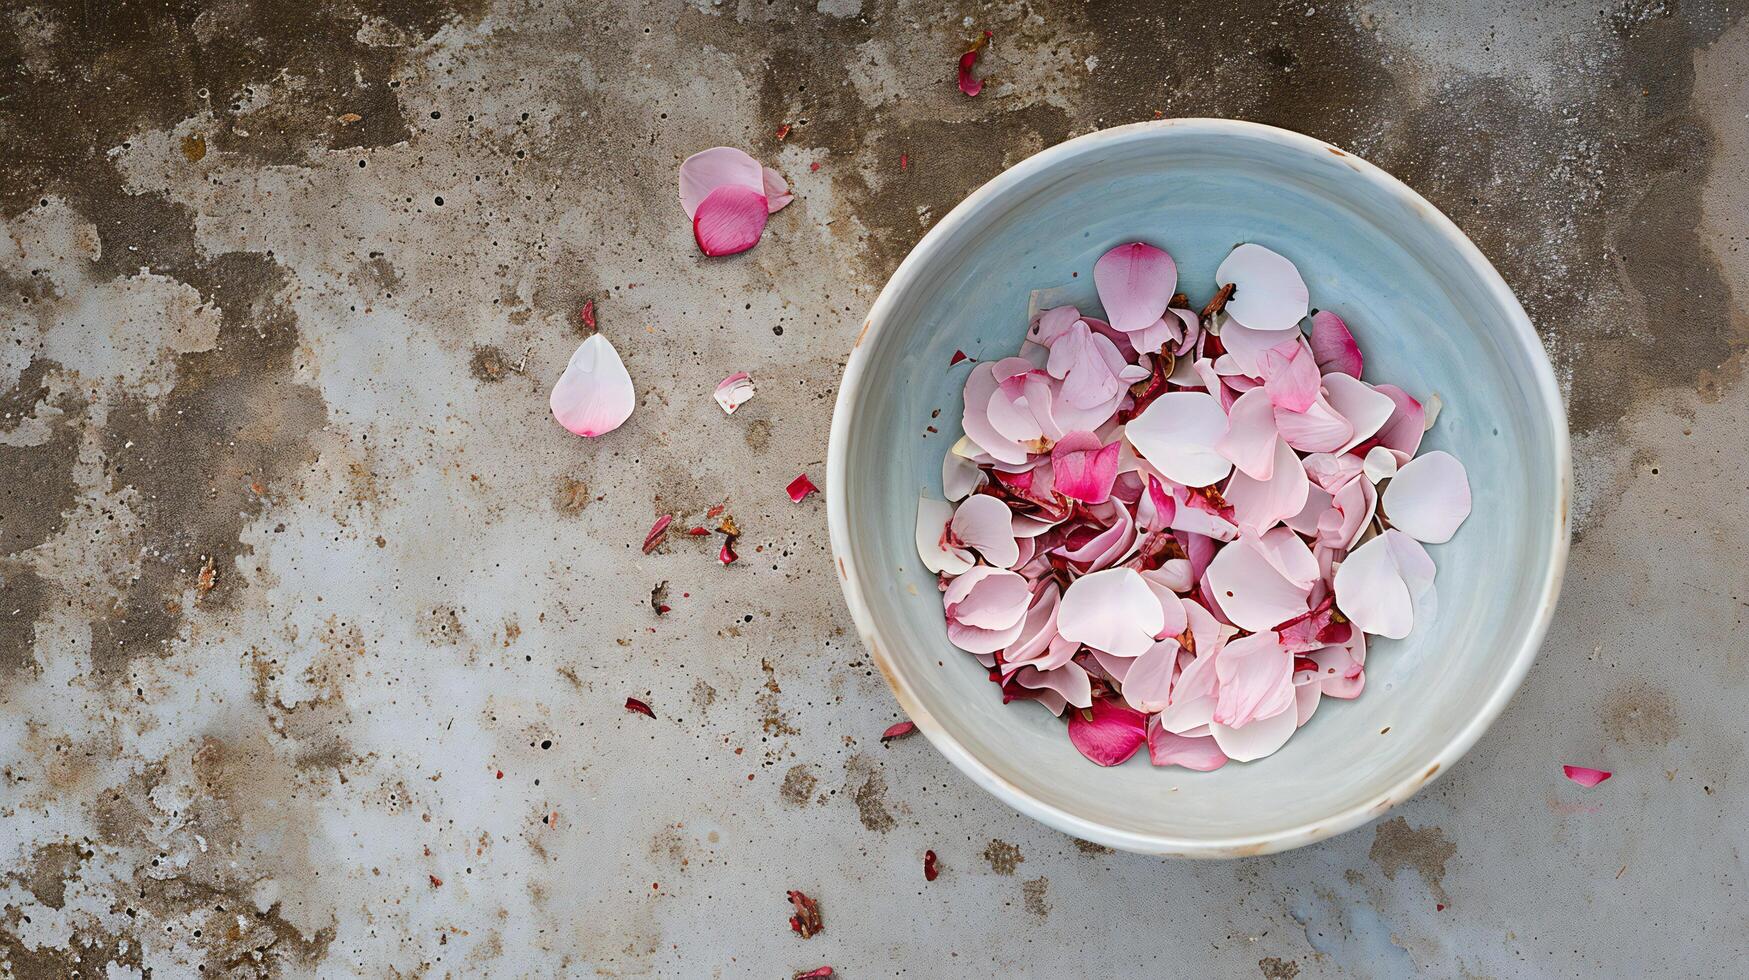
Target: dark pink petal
x,y
1135,283
658,531
1084,469
800,487
719,166
1334,346
818,972
1166,749
726,554
1113,733
899,730
633,704
729,220
969,83
1165,508
594,395
1584,775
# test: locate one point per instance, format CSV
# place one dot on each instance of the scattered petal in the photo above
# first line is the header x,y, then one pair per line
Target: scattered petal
x,y
959,476
985,523
658,531
1268,293
1135,283
1112,610
1250,439
806,922
1177,433
639,707
1380,464
1334,346
899,730
1429,497
729,220
1260,504
969,83
1083,469
719,166
938,556
1586,776
1407,422
1318,429
800,487
594,395
930,871
1108,733
818,972
1365,408
1200,754
1290,375
1147,685
776,191
733,391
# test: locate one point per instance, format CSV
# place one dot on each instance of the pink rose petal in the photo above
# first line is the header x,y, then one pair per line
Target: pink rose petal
x,y
800,487
594,395
1255,680
1429,497
1068,681
1200,754
1259,739
969,83
1038,629
776,190
719,166
1147,686
1088,364
1113,610
1319,429
1407,422
1250,438
733,391
1111,734
729,220
932,545
1371,592
1084,469
1290,375
986,524
1586,776
1365,408
1260,504
1245,347
1334,346
1250,590
1135,282
1194,694
981,385
1268,293
1177,433
899,730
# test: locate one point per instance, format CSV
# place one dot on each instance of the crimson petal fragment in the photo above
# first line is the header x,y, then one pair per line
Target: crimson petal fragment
x,y
1109,733
1585,775
899,730
799,488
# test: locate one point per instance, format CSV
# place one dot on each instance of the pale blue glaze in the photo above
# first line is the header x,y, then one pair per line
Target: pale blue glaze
x,y
1430,316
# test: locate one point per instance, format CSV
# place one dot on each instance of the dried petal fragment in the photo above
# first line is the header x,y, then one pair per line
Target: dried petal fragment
x,y
658,531
799,488
969,83
899,730
733,391
1586,776
930,871
633,704
817,973
806,921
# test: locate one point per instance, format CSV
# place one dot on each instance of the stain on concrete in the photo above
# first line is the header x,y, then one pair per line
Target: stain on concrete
x,y
1425,850
1003,856
1638,714
867,788
1276,968
798,785
1034,896
1088,847
38,489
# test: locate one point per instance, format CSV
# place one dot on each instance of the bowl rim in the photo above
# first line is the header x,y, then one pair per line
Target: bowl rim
x,y
1307,831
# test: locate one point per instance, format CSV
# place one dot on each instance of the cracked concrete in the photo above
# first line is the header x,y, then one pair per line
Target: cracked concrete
x,y
283,288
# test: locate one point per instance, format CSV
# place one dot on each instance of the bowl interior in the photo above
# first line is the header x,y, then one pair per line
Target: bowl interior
x,y
1430,317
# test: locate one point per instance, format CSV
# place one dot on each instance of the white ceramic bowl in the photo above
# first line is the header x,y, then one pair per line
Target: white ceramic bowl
x,y
1430,314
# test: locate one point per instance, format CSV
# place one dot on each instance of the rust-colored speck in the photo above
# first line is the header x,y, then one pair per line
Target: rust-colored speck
x,y
841,572
1430,771
1334,150
865,325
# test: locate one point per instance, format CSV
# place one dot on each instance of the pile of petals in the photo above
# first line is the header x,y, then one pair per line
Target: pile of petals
x,y
728,195
1178,526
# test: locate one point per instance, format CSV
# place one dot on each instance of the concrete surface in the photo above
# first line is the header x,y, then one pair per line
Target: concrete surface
x,y
285,286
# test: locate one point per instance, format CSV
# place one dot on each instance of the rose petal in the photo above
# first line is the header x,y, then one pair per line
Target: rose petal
x,y
1245,347
594,395
1334,346
1340,674
1330,472
1177,433
719,166
1585,775
657,532
1380,464
1290,375
986,524
1268,293
988,598
1350,512
1083,469
729,220
899,730
1250,591
733,391
1371,592
776,190
1135,282
1260,738
1417,569
1166,749
639,707
981,384
1365,408
969,83
1113,610
1314,630
932,547
1069,682
800,487
1260,504
1250,439
959,476
1317,502
1110,735
1256,680
1193,695
1147,685
1429,497
1307,694
1407,422
1287,554
1088,365
1038,629
1319,429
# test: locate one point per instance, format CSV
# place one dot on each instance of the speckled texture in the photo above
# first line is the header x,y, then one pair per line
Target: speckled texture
x,y
240,328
